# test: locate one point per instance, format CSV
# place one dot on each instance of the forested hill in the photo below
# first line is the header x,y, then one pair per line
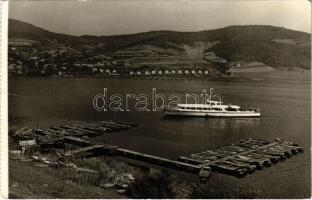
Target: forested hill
x,y
274,46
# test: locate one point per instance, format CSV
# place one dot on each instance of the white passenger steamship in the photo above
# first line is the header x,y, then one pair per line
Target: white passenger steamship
x,y
212,108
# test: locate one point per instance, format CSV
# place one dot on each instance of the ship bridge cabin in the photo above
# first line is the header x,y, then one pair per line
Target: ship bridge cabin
x,y
213,103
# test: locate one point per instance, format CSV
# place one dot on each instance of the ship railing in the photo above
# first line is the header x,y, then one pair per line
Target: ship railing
x,y
250,109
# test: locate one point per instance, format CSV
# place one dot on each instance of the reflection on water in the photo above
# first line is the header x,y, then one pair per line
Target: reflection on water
x,y
216,123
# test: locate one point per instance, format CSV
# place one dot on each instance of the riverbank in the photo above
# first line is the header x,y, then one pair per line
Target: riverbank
x,y
30,180
276,75
35,173
27,181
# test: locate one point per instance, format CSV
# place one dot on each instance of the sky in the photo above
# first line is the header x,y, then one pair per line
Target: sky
x,y
87,17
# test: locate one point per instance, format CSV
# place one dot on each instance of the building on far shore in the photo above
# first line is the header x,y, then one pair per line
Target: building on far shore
x,y
107,71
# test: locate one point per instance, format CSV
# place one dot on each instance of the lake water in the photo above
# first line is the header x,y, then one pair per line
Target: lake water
x,y
285,109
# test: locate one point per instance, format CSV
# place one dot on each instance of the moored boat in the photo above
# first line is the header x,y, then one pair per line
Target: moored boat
x,y
212,108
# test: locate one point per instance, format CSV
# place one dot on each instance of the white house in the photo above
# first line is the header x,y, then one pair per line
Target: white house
x,y
108,71
147,73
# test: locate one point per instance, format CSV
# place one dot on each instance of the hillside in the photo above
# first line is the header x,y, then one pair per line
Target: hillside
x,y
274,46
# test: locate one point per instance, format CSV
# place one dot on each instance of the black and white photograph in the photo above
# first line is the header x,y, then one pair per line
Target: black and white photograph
x,y
165,99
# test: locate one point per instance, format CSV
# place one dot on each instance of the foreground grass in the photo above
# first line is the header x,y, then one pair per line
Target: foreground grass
x,y
27,181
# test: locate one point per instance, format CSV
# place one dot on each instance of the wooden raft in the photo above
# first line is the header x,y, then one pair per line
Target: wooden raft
x,y
236,159
245,157
85,130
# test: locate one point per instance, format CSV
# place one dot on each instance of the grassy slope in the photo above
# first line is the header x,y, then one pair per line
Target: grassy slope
x,y
26,181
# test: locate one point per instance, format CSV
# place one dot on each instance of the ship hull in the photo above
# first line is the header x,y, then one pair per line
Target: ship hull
x,y
213,114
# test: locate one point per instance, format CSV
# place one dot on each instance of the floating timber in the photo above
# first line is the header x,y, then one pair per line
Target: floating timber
x,y
244,157
233,160
238,159
86,130
87,146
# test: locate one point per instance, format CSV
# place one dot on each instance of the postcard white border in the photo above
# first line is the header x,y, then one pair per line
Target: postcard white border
x,y
4,101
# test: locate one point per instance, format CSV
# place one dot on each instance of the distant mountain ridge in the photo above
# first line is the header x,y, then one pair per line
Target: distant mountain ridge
x,y
274,46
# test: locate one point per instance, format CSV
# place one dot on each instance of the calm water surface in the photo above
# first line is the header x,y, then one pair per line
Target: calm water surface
x,y
285,109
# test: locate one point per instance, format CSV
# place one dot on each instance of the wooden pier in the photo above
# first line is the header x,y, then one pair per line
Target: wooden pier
x,y
236,159
183,166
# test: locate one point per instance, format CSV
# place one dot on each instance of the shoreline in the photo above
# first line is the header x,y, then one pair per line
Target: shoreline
x,y
278,75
